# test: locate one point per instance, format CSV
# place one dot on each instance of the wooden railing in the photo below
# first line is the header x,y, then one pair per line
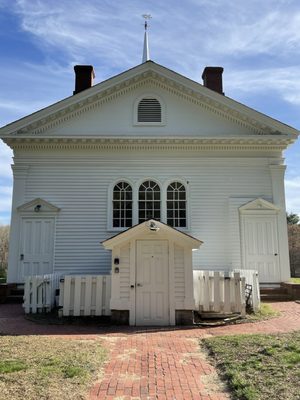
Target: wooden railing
x,y
220,292
39,293
82,295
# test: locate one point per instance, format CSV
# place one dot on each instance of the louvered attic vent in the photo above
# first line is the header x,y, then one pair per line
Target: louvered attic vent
x,y
149,110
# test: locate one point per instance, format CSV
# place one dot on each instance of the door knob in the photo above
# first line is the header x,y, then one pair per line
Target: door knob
x,y
21,257
275,254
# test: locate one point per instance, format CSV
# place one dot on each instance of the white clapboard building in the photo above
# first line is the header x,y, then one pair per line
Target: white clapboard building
x,y
148,164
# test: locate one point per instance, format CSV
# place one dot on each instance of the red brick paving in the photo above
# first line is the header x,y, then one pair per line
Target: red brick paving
x,y
149,363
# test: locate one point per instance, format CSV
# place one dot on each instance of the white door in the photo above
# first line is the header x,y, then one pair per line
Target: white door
x,y
152,294
36,249
261,247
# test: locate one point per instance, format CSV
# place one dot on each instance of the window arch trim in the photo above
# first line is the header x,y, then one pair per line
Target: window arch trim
x,y
163,185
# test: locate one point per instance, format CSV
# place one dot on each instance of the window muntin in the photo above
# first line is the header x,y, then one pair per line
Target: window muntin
x,y
176,205
149,201
122,205
149,110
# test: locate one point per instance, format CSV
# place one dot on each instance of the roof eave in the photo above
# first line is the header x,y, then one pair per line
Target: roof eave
x,y
136,72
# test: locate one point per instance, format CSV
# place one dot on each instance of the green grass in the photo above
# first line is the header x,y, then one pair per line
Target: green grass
x,y
259,367
295,280
266,312
33,367
8,366
2,275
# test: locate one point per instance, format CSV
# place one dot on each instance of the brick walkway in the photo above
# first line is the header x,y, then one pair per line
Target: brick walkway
x,y
153,363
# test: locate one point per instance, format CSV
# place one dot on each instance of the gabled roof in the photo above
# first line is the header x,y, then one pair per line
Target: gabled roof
x,y
150,226
38,205
38,122
259,204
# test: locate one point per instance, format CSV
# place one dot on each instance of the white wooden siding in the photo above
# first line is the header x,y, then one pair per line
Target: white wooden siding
x,y
78,183
125,272
179,277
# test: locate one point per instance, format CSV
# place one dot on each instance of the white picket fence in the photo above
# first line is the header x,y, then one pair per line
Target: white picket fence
x,y
216,291
82,295
39,293
251,277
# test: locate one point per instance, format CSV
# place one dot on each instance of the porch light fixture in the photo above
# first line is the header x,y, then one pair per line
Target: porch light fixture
x,y
37,208
153,227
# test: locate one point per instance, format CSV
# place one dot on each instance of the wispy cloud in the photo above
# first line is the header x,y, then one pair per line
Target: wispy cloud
x,y
284,81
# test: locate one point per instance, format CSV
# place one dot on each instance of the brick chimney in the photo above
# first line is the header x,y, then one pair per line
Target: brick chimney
x,y
212,78
84,75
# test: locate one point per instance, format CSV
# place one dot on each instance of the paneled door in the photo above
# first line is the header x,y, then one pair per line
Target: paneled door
x,y
36,247
152,288
261,246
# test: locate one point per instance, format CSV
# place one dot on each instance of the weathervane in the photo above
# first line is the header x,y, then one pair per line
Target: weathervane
x,y
146,53
146,17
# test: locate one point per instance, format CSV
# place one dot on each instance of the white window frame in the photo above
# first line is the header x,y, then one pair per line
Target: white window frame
x,y
135,201
164,199
160,192
110,226
135,110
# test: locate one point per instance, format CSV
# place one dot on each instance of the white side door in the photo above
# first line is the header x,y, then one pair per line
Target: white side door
x,y
36,247
261,246
152,289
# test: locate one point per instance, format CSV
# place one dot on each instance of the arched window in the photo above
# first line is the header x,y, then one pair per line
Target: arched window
x,y
176,205
149,201
122,205
149,110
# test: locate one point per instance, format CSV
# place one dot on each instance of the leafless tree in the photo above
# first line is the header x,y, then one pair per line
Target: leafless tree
x,y
4,238
294,248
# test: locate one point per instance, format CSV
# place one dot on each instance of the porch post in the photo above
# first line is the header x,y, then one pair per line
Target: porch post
x,y
19,186
277,177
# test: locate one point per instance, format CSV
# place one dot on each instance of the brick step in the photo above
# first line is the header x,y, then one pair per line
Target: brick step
x,y
11,293
17,292
275,297
14,299
273,290
274,293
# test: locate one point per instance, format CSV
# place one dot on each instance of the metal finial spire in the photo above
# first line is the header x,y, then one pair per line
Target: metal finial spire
x,y
146,52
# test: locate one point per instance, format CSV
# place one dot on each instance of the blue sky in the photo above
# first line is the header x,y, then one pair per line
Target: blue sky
x,y
257,42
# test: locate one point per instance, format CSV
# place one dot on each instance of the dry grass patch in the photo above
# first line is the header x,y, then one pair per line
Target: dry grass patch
x,y
259,367
295,280
266,311
35,367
